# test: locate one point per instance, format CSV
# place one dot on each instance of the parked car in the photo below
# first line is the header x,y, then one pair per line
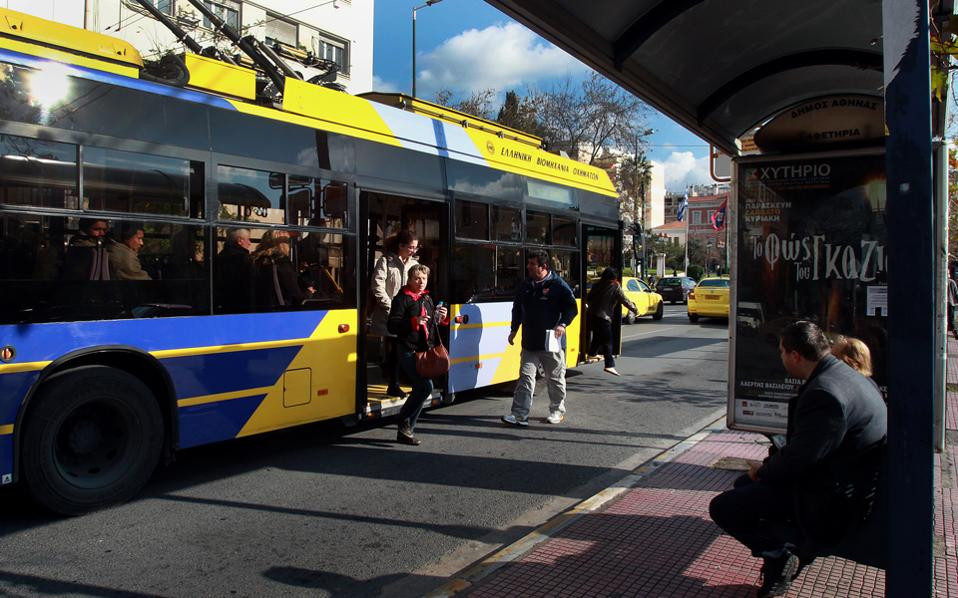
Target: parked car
x,y
647,301
675,289
709,298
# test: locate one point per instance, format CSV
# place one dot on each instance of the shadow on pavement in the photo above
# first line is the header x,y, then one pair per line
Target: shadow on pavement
x,y
33,585
334,583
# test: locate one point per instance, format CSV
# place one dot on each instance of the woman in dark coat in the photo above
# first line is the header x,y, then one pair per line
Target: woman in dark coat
x,y
414,320
276,280
604,298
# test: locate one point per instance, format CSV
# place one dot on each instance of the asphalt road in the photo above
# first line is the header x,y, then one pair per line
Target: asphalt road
x,y
323,511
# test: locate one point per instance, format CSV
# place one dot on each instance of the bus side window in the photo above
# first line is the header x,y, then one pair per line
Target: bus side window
x,y
60,269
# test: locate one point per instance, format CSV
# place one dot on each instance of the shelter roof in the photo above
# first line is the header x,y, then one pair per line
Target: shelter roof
x,y
718,67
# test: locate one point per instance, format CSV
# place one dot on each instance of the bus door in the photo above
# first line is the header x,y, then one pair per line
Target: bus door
x,y
603,249
382,216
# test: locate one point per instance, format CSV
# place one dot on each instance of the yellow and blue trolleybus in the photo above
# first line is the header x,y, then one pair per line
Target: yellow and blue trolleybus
x,y
106,371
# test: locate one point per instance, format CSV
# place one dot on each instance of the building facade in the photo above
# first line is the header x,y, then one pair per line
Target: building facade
x,y
339,31
698,227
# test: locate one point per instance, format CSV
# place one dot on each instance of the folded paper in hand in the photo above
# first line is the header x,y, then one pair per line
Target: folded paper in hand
x,y
552,343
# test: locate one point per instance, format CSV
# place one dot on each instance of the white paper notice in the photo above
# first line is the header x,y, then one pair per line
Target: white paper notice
x,y
876,301
552,343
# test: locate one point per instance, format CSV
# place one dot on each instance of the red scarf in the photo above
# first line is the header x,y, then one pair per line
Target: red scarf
x,y
414,321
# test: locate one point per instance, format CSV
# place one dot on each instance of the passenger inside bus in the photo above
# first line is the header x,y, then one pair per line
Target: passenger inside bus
x,y
275,279
124,253
233,272
86,256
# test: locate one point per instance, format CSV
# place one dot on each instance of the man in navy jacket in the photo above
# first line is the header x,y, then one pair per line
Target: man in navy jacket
x,y
544,306
807,495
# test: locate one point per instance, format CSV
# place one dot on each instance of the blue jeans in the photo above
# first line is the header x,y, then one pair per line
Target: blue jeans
x,y
421,389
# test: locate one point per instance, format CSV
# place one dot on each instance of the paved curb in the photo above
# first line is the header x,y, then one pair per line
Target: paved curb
x,y
471,575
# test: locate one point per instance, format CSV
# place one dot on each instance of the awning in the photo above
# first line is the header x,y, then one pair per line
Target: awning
x,y
718,67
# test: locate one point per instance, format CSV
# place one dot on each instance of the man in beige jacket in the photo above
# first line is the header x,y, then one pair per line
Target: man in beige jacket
x,y
124,258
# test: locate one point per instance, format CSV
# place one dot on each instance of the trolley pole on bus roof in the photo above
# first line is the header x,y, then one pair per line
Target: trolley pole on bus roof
x,y
416,8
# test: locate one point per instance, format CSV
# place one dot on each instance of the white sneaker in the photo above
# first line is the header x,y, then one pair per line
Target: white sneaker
x,y
612,371
555,417
512,420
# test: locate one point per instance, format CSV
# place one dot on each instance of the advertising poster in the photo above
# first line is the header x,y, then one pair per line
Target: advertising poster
x,y
811,245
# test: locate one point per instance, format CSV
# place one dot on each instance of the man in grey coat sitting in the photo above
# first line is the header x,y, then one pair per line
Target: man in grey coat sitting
x,y
814,490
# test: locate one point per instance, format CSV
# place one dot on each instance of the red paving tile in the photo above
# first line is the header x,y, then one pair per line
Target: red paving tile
x,y
656,538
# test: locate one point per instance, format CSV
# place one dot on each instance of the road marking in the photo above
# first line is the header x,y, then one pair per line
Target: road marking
x,y
624,337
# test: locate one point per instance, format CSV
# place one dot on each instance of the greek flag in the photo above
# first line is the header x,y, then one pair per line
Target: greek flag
x,y
683,206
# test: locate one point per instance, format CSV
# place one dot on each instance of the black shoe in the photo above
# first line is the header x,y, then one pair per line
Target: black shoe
x,y
404,436
410,440
394,391
777,575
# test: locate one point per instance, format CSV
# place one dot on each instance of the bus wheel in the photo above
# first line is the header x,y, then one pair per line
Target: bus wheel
x,y
92,437
659,311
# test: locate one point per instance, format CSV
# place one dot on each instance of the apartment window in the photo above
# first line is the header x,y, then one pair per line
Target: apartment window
x,y
164,6
281,30
228,10
696,217
334,51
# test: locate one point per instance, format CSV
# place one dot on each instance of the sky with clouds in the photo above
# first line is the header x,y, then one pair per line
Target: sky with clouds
x,y
466,46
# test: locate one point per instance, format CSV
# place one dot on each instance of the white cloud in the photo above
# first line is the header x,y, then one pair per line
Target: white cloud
x,y
682,169
380,84
498,57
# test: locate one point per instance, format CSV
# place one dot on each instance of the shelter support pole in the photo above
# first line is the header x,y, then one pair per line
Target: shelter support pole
x,y
911,297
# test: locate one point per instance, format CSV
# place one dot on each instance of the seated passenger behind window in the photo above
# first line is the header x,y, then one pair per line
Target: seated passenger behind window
x,y
124,258
275,278
86,256
233,290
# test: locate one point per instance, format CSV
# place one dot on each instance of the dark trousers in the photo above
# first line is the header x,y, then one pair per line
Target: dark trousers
x,y
601,339
757,514
421,389
390,361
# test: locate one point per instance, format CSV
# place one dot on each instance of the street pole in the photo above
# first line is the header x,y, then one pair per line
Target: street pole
x,y
416,8
414,51
911,299
688,216
635,207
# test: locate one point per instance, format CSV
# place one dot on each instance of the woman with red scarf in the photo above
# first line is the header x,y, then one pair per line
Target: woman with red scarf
x,y
414,320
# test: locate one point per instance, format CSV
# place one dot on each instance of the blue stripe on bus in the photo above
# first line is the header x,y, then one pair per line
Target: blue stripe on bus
x,y
118,80
212,422
13,387
216,373
46,342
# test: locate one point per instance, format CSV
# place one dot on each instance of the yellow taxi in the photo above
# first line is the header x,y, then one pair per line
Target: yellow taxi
x,y
647,301
709,298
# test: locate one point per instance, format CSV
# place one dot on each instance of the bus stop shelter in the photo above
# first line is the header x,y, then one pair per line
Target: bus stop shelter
x,y
722,67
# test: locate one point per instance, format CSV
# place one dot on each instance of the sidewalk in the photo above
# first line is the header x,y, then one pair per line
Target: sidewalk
x,y
651,535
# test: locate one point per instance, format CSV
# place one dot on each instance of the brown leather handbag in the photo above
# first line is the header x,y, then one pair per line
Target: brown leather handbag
x,y
434,362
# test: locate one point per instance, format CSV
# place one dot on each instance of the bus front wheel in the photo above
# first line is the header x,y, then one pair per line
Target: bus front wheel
x,y
92,438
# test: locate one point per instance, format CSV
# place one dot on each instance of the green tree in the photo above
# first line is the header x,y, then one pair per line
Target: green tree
x,y
697,252
478,103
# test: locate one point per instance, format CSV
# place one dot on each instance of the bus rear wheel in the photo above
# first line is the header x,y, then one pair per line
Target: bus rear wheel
x,y
92,438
